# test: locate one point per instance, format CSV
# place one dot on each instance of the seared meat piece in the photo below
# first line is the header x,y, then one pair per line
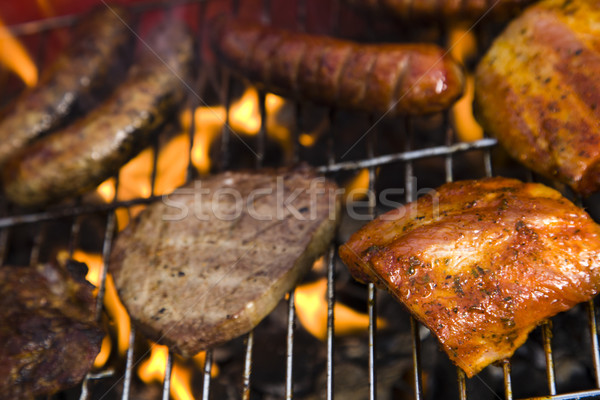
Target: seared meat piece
x,y
48,334
538,91
210,261
81,74
463,10
78,158
377,78
481,263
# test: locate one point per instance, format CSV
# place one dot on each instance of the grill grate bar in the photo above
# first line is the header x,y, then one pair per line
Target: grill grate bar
x,y
507,380
167,380
207,368
247,366
547,339
330,319
594,337
462,384
128,365
409,155
289,356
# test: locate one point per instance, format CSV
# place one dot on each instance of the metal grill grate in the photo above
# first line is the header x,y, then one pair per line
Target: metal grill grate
x,y
36,229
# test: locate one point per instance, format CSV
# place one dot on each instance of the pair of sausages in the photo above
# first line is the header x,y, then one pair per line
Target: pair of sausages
x,y
76,159
391,79
85,71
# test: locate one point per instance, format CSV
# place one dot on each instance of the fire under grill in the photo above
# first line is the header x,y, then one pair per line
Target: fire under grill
x,y
227,124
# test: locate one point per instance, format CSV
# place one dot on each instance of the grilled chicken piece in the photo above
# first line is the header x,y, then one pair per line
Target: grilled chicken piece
x,y
49,337
210,261
481,263
538,91
81,75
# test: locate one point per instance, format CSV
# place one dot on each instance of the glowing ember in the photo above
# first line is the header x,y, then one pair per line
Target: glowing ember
x,y
311,308
14,56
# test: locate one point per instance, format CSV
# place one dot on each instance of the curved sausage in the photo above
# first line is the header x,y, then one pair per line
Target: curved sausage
x,y
83,72
379,78
78,158
463,10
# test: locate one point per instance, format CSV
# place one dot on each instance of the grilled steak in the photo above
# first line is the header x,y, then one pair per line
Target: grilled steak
x,y
48,335
210,261
538,91
378,78
481,263
86,70
78,158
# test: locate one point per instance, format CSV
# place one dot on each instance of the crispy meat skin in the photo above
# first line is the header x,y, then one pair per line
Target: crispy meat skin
x,y
82,155
538,91
383,78
469,10
192,276
48,335
481,263
80,75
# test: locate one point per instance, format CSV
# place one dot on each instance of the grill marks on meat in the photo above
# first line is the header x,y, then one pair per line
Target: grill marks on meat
x,y
481,263
213,259
469,10
48,335
537,90
378,78
85,71
78,158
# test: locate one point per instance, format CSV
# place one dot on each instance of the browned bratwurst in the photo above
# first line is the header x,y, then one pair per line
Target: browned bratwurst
x,y
81,74
381,78
81,156
465,10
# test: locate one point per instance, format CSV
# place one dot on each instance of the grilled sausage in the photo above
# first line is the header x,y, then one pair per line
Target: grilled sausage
x,y
81,74
462,10
380,78
85,153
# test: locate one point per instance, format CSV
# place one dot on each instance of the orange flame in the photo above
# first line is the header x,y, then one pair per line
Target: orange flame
x,y
311,309
357,188
113,305
15,57
463,46
154,367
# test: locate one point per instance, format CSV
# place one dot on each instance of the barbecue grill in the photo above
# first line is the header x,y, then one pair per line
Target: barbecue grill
x,y
408,154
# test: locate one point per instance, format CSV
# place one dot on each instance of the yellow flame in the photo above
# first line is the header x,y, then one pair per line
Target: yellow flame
x,y
311,309
15,57
208,122
357,188
463,47
153,370
105,350
244,114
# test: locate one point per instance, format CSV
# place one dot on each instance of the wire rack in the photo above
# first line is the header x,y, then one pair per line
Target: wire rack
x,y
32,230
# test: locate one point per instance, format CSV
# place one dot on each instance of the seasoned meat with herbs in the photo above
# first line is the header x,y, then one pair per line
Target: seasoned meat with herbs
x,y
481,263
49,337
82,155
211,260
538,91
81,75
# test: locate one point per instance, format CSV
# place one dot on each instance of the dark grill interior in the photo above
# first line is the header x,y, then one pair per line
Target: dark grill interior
x,y
397,360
